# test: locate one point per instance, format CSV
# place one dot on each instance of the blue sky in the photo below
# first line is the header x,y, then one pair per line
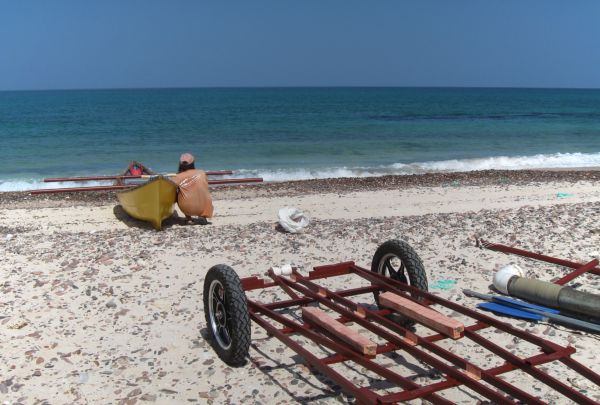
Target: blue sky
x,y
123,44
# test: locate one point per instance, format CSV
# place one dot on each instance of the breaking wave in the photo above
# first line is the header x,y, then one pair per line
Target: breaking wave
x,y
553,161
34,184
540,161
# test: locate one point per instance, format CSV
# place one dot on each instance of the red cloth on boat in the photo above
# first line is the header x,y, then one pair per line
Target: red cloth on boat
x,y
194,198
135,169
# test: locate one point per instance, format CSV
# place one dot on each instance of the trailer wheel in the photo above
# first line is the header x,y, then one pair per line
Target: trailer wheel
x,y
227,317
399,261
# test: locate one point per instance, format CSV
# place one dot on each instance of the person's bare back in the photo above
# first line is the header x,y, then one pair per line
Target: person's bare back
x,y
193,196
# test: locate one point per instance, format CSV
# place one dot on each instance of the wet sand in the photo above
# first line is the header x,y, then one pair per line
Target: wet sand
x,y
96,307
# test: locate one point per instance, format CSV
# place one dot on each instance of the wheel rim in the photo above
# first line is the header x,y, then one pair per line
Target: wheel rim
x,y
393,267
218,314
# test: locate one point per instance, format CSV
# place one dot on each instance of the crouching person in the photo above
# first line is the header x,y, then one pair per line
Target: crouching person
x,y
193,196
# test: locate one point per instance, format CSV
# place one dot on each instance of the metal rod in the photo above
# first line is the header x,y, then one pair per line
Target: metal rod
x,y
547,346
283,286
79,189
126,186
537,373
313,360
335,346
583,269
419,354
125,177
551,351
581,369
306,300
520,252
394,285
235,181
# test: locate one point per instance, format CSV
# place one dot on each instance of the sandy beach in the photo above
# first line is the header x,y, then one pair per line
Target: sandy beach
x,y
98,308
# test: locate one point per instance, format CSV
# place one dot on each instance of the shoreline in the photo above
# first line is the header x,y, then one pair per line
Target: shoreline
x,y
336,185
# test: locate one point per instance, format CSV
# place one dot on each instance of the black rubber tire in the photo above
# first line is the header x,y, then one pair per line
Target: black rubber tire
x,y
400,256
227,317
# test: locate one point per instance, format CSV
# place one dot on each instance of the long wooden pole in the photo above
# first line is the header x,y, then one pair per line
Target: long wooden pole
x,y
124,177
126,186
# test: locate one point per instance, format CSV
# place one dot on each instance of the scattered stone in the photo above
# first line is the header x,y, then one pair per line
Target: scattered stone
x,y
135,392
148,397
18,324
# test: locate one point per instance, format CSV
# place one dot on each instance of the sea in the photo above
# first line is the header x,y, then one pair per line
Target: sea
x,y
284,134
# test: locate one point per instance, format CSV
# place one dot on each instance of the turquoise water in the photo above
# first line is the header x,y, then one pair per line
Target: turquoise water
x,y
295,133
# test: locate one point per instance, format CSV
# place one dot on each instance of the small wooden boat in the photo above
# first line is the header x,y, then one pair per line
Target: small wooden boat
x,y
152,201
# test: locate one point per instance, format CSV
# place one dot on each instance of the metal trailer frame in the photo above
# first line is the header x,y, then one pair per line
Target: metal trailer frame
x,y
578,268
456,370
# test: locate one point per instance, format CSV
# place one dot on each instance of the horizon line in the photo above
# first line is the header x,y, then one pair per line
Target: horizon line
x,y
295,87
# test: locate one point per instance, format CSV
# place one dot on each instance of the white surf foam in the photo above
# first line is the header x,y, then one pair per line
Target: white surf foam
x,y
32,184
557,160
306,174
540,161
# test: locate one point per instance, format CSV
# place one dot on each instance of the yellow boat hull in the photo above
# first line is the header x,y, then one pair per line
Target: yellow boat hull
x,y
152,201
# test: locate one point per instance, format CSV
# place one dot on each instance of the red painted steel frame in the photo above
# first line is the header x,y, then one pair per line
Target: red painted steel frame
x,y
121,177
579,268
457,370
126,186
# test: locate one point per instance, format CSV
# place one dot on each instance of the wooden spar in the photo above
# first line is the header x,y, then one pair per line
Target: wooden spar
x,y
125,177
427,316
126,186
339,330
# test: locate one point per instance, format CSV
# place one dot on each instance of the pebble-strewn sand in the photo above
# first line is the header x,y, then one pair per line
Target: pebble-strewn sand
x,y
97,308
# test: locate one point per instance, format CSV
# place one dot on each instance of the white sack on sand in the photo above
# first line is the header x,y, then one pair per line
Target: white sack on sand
x,y
292,219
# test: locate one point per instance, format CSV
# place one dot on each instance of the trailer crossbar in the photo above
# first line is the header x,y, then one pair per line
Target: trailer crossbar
x,y
394,337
